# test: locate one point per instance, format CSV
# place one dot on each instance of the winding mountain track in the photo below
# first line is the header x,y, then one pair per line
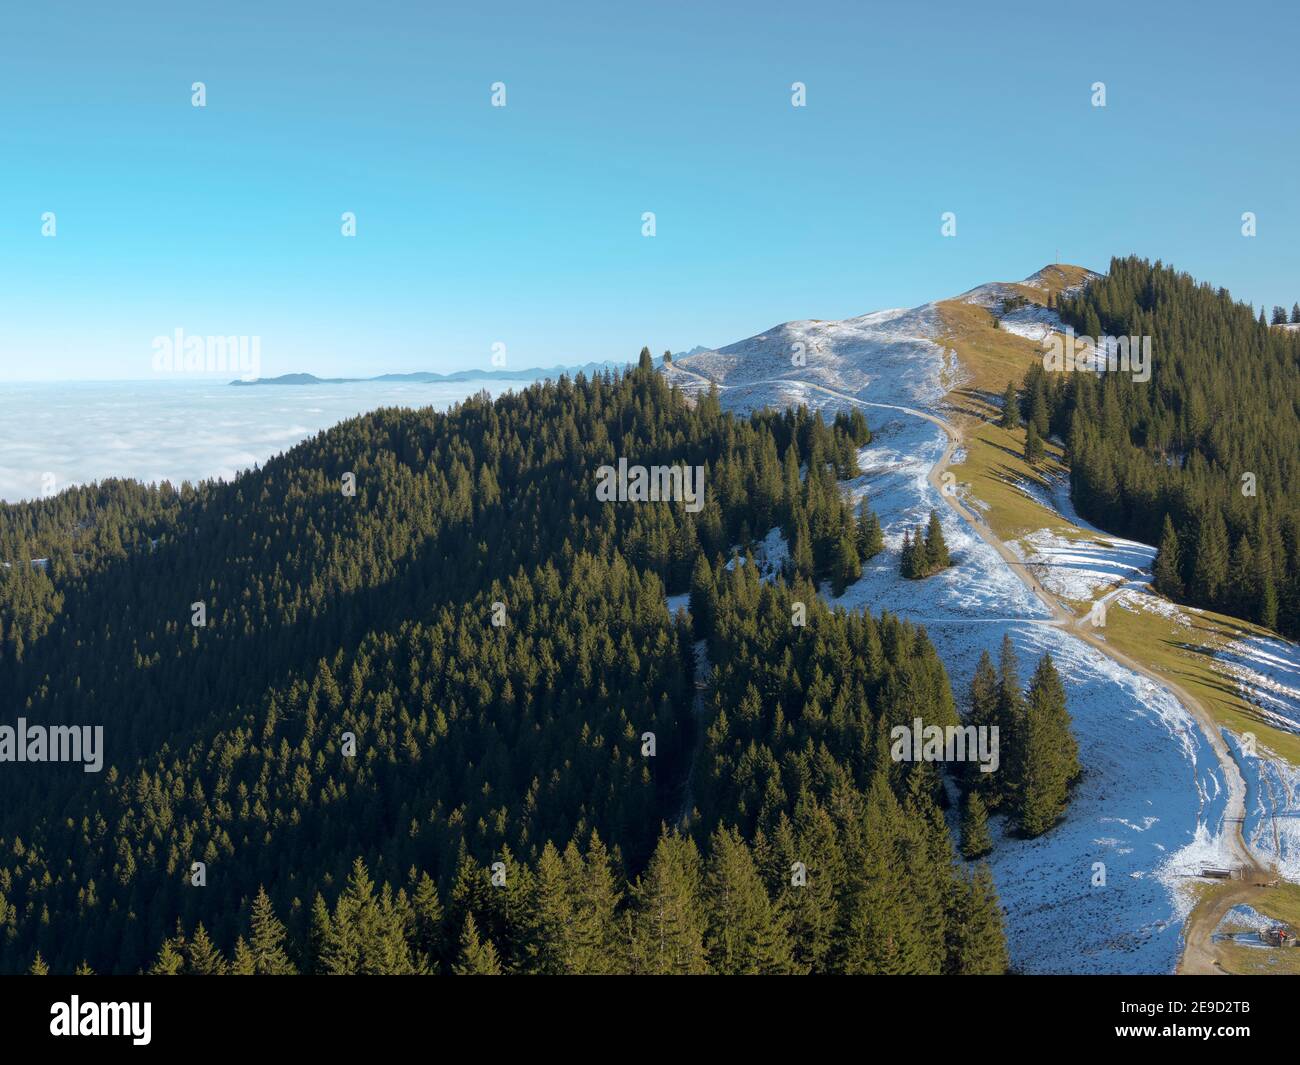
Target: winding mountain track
x,y
1199,956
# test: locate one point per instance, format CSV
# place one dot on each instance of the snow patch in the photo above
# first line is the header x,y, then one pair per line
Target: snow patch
x,y
1267,673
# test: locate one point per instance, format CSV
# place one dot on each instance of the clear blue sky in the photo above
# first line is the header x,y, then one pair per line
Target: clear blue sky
x,y
523,224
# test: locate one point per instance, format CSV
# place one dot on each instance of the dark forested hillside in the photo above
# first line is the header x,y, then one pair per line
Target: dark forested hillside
x,y
411,734
1204,458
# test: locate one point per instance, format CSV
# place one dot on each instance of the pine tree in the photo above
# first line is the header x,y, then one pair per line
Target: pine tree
x,y
936,550
668,921
341,950
39,968
594,888
847,568
802,561
1267,609
979,946
549,950
243,963
746,933
704,597
1050,759
320,936
976,840
1034,450
202,958
907,560
170,962
366,933
1010,408
1211,568
983,714
871,540
1242,593
881,935
426,935
1010,721
1167,571
268,939
809,871
477,958
1039,416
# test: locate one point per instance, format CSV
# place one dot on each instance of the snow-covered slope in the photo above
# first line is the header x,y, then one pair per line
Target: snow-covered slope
x,y
887,357
1151,801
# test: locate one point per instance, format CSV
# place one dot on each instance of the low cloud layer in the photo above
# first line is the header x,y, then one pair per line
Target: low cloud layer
x,y
90,431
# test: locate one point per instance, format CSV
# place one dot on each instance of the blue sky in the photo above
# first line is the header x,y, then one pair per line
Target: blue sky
x,y
522,225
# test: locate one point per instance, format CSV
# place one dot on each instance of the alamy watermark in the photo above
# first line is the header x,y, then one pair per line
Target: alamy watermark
x,y
653,484
77,1018
53,743
945,743
1068,353
179,353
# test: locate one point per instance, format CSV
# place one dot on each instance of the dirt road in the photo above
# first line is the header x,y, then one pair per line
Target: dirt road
x,y
1199,955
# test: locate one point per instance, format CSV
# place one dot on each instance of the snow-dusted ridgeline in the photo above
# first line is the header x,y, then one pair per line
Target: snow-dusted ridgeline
x,y
1150,803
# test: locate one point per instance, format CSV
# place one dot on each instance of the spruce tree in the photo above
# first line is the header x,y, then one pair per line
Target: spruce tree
x,y
550,953
202,958
1038,412
243,964
1010,408
746,934
1010,720
477,957
1210,571
979,946
936,549
594,888
907,560
704,597
1049,763
170,962
976,841
1267,609
667,936
882,936
1034,450
847,568
268,939
809,874
926,853
983,714
1167,570
802,562
871,540
427,939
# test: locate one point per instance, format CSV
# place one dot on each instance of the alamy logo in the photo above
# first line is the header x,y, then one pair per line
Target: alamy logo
x,y
102,1018
951,743
53,743
1069,353
654,484
179,353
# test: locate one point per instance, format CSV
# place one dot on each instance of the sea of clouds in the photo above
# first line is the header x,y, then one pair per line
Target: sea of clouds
x,y
60,434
